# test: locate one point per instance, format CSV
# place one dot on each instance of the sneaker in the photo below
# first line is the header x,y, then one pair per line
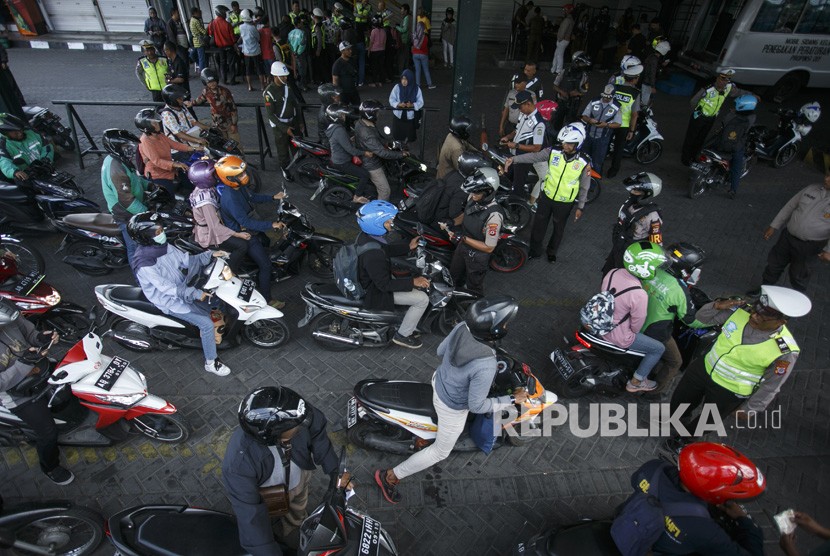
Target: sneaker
x,y
60,476
217,367
431,86
410,341
276,303
389,491
643,386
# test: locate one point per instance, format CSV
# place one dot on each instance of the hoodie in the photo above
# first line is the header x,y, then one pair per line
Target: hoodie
x,y
342,149
466,372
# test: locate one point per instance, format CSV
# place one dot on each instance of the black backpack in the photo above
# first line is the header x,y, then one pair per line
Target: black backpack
x,y
733,134
346,271
429,200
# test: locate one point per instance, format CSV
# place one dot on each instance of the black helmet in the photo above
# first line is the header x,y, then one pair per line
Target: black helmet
x,y
487,318
483,180
369,109
685,258
327,92
171,93
221,10
143,227
8,312
377,20
337,112
460,126
208,75
469,162
268,412
122,145
145,118
581,60
10,122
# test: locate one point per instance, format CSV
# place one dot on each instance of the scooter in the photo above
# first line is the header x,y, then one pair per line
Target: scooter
x,y
49,125
780,146
137,324
50,528
647,144
397,416
96,400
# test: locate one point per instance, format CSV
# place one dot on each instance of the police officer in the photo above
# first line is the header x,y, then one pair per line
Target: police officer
x,y
235,17
151,69
281,107
281,439
751,359
533,82
566,184
627,95
706,105
481,229
603,117
570,85
638,219
528,137
362,14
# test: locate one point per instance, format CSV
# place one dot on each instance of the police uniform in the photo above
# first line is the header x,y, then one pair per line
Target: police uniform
x,y
628,98
533,85
706,105
572,79
281,108
152,75
598,139
530,130
469,265
635,222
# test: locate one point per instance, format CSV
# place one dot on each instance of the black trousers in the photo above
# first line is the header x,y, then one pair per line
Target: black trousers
x,y
281,141
39,418
237,248
520,172
797,253
696,388
364,185
227,64
469,267
546,211
696,134
619,145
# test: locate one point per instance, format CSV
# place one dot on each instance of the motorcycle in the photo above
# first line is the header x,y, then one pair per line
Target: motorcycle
x,y
711,170
137,324
398,416
56,528
340,323
311,158
647,144
49,125
95,399
587,538
780,146
27,259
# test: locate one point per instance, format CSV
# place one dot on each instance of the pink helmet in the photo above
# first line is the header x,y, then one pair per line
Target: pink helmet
x,y
201,174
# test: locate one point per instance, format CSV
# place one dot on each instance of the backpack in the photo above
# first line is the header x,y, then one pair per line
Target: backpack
x,y
428,202
346,270
642,519
733,134
598,313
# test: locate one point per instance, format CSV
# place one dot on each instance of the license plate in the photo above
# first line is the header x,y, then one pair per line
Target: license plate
x,y
351,412
562,364
247,290
309,314
29,283
111,373
697,166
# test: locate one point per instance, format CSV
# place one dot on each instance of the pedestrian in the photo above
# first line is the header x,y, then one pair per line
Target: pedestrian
x,y
448,33
655,30
155,150
804,223
362,14
519,21
151,69
651,65
155,29
223,109
623,33
535,28
570,85
404,29
639,219
319,55
10,94
280,441
597,32
602,116
528,137
637,44
299,46
509,114
266,45
178,68
455,143
294,13
251,50
343,153
420,54
406,100
730,140
627,96
176,33
377,51
282,109
563,39
224,39
706,105
344,75
199,34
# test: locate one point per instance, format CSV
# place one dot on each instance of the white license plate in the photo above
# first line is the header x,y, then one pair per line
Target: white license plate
x,y
351,412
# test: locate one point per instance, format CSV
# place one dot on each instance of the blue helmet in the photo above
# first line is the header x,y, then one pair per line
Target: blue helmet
x,y
745,103
373,214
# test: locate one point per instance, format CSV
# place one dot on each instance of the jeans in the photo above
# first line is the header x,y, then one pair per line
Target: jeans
x,y
199,317
422,66
360,52
38,417
559,56
200,57
653,350
597,149
129,244
736,168
418,302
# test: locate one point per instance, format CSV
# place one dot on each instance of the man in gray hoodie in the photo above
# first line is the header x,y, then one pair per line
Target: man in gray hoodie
x,y
460,385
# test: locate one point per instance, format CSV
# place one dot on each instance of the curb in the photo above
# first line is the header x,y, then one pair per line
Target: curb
x,y
72,45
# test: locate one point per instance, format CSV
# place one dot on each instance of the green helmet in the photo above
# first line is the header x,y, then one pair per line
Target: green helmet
x,y
642,259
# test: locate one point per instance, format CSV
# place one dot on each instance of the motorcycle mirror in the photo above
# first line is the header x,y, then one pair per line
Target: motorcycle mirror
x,y
387,130
484,147
531,385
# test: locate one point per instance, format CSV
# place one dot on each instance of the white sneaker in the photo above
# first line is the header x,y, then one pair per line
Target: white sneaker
x,y
217,367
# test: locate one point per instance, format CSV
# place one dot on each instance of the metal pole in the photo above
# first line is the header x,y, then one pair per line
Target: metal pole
x,y
469,17
423,131
71,119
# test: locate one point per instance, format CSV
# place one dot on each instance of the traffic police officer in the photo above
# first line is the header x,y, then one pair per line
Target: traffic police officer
x,y
151,69
528,136
627,96
281,107
235,17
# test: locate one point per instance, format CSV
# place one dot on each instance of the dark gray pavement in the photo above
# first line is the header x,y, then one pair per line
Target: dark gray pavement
x,y
470,503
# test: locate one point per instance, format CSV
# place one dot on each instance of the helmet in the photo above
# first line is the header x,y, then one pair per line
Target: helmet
x,y
483,180
10,122
344,45
745,103
487,318
337,112
811,111
789,303
629,60
279,69
171,93
685,259
8,311
208,75
201,174
145,119
581,60
460,126
716,473
369,109
338,6
373,215
572,133
568,8
143,227
230,170
122,145
328,91
221,10
268,412
643,258
547,108
317,12
728,72
648,183
146,44
633,71
469,162
662,47
246,15
607,91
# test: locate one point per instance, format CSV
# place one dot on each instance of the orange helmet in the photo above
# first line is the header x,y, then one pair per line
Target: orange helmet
x,y
231,171
716,473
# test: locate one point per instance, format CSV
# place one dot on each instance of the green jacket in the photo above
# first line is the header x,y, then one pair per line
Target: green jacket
x,y
122,201
667,299
31,148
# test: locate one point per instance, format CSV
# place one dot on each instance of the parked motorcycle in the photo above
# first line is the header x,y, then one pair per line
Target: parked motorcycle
x,y
49,125
780,146
57,528
139,325
647,144
711,170
95,399
27,259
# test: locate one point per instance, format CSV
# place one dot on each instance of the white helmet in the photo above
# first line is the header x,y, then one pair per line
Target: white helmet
x,y
279,69
650,184
338,6
811,111
317,12
662,47
628,61
633,71
572,133
788,302
246,15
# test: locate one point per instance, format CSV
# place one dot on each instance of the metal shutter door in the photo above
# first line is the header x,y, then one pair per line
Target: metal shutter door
x,y
124,15
72,15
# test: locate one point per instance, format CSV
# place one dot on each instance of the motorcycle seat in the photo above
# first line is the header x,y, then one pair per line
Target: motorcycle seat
x,y
171,534
592,538
132,296
602,344
330,292
100,223
412,397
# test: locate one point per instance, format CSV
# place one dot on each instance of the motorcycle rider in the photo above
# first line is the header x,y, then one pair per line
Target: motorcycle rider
x,y
638,218
178,119
163,271
329,94
20,356
481,228
222,106
570,85
281,439
18,141
651,65
342,152
603,116
155,149
450,208
383,291
733,135
460,386
368,138
455,143
627,95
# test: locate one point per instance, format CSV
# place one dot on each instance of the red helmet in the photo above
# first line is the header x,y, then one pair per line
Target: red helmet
x,y
716,473
568,8
547,108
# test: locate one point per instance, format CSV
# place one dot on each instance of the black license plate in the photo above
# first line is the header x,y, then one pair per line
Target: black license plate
x,y
369,544
697,166
560,361
29,283
351,412
247,290
111,373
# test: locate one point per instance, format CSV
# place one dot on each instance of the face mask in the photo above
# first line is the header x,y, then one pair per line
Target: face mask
x,y
161,239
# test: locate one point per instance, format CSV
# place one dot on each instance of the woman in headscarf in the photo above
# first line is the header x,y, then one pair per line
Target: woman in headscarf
x,y
406,99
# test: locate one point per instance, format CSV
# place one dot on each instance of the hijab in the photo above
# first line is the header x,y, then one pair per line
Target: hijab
x,y
147,255
410,92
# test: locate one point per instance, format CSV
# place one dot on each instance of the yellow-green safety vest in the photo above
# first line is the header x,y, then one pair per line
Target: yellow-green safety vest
x,y
562,181
712,99
362,11
235,21
314,34
155,75
625,95
738,367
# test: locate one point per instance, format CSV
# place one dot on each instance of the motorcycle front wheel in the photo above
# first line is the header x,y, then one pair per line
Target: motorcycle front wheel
x,y
164,427
384,438
507,257
73,532
89,250
785,156
27,258
517,215
593,191
649,152
267,333
697,184
308,173
337,201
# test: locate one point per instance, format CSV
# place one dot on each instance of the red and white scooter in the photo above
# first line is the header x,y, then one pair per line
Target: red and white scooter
x,y
95,399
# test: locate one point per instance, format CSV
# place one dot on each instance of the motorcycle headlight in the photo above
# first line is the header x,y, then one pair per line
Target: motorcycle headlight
x,y
121,399
422,167
227,273
53,298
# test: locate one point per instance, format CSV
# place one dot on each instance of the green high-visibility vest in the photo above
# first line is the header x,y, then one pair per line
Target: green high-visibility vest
x,y
709,105
626,95
235,21
155,75
314,35
362,11
562,181
738,367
